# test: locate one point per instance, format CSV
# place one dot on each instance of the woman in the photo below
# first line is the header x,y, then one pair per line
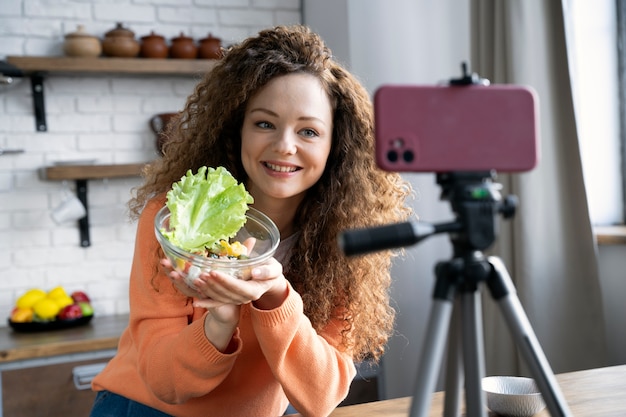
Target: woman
x,y
297,129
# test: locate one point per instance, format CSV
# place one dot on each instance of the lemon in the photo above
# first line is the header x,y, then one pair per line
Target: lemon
x,y
30,297
46,308
63,301
57,292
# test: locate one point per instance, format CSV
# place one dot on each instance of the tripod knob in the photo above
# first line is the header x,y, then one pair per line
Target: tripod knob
x,y
508,206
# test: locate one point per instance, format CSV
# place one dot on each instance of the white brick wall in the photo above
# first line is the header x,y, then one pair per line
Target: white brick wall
x,y
101,116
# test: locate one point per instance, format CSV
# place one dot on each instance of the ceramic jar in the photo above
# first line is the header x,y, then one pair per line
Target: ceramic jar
x,y
153,46
82,44
183,47
120,42
210,48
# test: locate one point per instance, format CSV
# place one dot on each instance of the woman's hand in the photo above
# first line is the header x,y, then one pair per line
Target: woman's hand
x,y
222,313
189,290
266,287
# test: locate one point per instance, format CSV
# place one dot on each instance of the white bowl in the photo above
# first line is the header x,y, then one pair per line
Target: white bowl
x,y
257,225
512,396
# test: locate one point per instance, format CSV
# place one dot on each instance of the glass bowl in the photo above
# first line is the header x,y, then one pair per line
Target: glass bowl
x,y
512,396
190,265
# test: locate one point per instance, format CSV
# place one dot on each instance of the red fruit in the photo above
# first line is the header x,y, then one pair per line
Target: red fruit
x,y
73,311
79,296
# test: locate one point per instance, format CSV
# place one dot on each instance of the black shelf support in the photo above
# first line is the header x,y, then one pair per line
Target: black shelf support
x,y
39,107
83,223
9,71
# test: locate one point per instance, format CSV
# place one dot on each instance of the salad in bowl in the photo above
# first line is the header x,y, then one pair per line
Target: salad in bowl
x,y
207,224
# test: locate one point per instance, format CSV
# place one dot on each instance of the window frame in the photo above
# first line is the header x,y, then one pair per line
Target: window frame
x,y
620,8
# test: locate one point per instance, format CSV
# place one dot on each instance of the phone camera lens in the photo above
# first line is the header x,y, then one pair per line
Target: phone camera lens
x,y
392,156
408,156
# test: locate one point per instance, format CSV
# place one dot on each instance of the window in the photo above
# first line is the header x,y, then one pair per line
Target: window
x,y
597,69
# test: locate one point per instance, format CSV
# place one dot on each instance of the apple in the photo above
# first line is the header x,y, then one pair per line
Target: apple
x,y
72,311
86,308
80,296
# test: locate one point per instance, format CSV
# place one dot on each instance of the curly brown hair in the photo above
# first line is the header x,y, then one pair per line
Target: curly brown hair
x,y
351,193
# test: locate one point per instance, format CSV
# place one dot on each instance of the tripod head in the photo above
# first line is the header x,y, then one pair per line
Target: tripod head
x,y
474,198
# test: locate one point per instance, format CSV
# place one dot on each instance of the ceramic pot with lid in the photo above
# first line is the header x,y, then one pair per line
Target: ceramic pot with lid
x,y
120,42
153,46
82,44
210,48
183,47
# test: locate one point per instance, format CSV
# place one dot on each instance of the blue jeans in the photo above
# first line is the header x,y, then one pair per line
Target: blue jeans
x,y
108,404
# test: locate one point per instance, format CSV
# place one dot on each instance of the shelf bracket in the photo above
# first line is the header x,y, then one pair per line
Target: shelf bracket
x,y
83,223
39,107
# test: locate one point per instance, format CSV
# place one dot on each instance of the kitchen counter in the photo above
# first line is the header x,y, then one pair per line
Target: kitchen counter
x,y
100,334
49,373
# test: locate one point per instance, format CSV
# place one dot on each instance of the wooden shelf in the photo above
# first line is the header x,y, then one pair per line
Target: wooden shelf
x,y
89,172
36,67
183,67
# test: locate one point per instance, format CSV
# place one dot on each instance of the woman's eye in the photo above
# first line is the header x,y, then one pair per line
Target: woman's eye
x,y
264,125
309,133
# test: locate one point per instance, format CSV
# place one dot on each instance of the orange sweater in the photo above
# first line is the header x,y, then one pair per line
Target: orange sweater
x,y
165,361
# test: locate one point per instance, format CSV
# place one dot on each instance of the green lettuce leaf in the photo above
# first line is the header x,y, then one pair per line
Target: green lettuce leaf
x,y
206,207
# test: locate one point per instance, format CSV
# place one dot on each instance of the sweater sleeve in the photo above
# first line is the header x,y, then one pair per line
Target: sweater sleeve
x,y
175,359
313,372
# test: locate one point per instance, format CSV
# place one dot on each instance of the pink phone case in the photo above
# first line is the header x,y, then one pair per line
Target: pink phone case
x,y
456,128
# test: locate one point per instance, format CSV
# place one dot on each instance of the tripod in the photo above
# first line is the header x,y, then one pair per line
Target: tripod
x,y
476,201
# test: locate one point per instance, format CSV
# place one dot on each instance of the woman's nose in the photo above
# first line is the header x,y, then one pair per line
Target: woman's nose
x,y
285,143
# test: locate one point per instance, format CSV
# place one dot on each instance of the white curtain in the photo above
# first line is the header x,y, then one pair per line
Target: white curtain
x,y
549,248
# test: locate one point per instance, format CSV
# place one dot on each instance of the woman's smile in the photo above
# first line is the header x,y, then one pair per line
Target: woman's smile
x,y
280,168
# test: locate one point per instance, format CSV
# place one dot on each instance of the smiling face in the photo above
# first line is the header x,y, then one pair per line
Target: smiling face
x,y
286,138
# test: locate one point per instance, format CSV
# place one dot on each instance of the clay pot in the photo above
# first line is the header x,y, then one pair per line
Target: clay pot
x,y
120,42
158,124
153,46
210,48
183,47
82,44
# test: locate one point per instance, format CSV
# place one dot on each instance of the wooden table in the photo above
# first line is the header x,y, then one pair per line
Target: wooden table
x,y
591,393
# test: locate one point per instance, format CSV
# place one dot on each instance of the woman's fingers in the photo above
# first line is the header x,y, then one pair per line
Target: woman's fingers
x,y
249,244
218,288
269,270
178,279
222,287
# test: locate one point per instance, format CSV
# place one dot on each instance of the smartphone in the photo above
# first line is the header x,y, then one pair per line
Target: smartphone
x,y
456,128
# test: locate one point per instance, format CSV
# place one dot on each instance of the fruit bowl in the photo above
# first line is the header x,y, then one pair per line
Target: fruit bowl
x,y
512,396
37,310
190,265
44,326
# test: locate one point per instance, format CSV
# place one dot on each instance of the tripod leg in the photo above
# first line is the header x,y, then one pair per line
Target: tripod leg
x,y
504,293
430,360
454,366
473,354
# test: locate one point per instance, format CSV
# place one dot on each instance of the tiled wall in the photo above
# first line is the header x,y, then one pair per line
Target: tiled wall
x,y
102,117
